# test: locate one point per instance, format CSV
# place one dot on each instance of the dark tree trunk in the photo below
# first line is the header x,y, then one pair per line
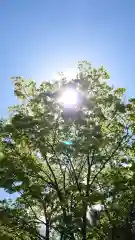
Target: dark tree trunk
x,y
84,227
47,229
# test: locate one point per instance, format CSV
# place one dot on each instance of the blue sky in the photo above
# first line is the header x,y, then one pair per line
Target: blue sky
x,y
38,38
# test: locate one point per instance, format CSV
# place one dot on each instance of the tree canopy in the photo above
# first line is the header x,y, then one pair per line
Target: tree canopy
x,y
65,161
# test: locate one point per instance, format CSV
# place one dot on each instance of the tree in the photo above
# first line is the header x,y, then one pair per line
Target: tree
x,y
63,161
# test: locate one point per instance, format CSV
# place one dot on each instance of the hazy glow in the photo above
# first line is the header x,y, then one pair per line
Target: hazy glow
x,y
68,98
70,73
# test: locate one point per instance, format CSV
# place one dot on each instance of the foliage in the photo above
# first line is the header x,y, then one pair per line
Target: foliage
x,y
15,222
60,182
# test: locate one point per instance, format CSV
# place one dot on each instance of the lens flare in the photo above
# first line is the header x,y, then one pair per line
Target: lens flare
x,y
67,142
69,98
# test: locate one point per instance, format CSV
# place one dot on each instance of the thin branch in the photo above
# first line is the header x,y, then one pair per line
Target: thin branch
x,y
81,168
55,179
75,176
103,202
89,164
113,153
58,161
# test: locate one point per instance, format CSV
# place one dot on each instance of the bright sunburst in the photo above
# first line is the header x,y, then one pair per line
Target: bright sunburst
x,y
68,98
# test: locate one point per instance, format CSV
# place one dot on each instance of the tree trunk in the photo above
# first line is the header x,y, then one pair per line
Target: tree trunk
x,y
47,229
84,227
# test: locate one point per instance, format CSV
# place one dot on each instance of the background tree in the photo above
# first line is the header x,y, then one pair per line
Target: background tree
x,y
63,161
16,223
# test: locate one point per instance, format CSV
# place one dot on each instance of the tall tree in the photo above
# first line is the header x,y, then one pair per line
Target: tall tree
x,y
64,160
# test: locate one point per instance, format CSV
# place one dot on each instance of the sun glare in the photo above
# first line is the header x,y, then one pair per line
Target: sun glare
x,y
68,98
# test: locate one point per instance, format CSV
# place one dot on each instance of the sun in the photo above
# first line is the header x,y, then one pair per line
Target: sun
x,y
69,98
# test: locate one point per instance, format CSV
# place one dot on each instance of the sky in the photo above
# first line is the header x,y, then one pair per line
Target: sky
x,y
41,37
